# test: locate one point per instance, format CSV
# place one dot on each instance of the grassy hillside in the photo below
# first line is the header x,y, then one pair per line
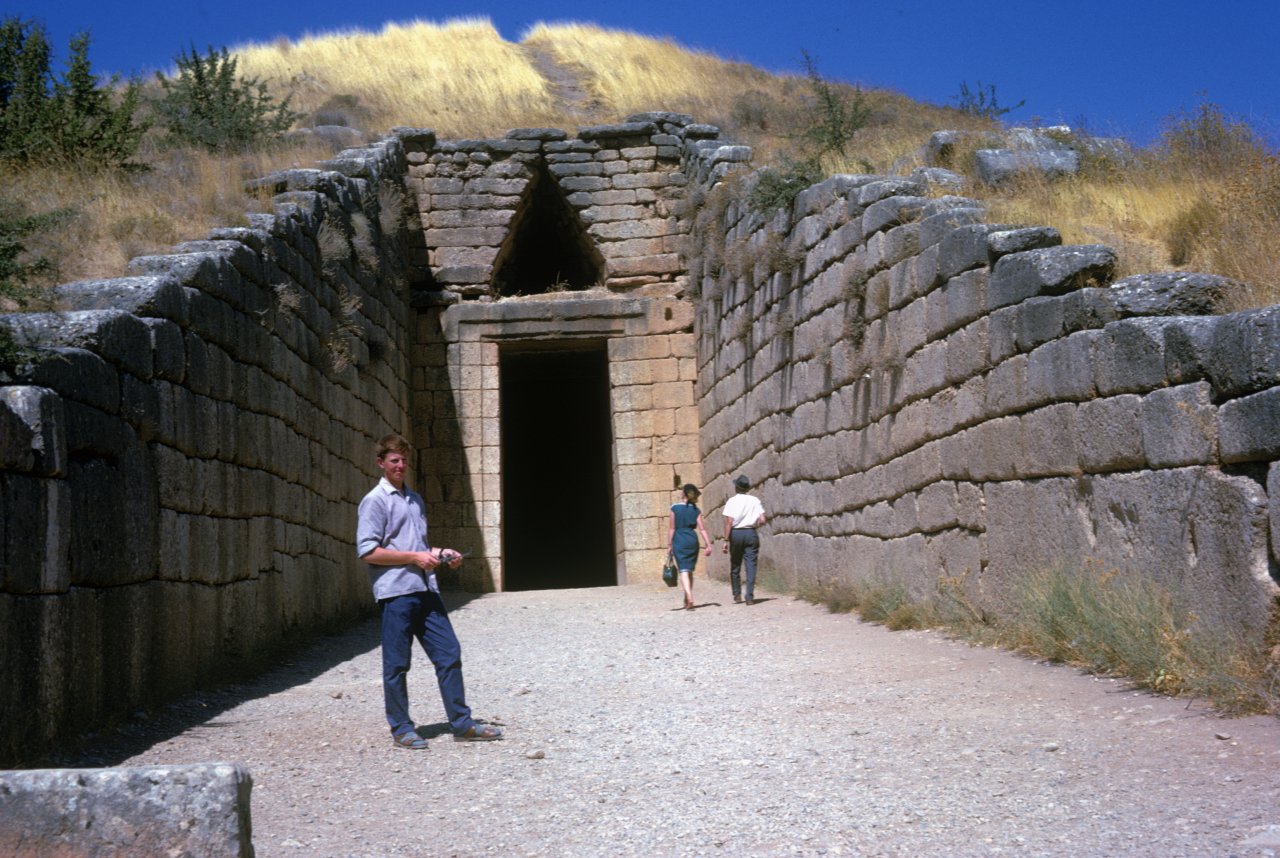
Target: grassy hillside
x,y
1199,201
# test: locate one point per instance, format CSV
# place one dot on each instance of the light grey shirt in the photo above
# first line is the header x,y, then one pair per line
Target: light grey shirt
x,y
397,521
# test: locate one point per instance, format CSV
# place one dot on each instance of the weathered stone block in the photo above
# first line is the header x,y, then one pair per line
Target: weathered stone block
x,y
1017,240
1180,426
1175,293
201,809
34,438
964,247
36,534
1249,427
1129,357
1062,370
1109,434
119,337
1039,320
1188,348
1244,353
994,449
1088,308
1049,442
1052,271
937,225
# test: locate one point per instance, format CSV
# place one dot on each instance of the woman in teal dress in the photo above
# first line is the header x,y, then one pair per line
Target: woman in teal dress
x,y
682,539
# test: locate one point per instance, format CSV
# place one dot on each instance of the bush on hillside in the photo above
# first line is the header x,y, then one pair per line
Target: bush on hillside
x,y
836,115
982,101
209,105
1208,140
45,118
17,267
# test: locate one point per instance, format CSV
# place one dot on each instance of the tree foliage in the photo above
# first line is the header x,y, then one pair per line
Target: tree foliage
x,y
47,118
209,105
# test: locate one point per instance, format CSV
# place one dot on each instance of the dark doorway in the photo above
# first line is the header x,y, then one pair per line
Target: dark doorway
x,y
557,486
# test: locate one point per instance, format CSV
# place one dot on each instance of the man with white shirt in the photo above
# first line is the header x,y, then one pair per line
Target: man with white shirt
x,y
391,537
743,513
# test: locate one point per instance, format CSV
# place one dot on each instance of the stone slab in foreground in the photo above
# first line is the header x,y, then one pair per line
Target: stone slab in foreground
x,y
191,810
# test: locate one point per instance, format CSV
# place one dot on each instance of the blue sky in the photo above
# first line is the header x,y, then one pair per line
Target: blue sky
x,y
1121,66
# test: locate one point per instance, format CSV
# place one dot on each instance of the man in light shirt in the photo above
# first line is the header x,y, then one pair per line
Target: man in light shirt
x,y
391,537
743,513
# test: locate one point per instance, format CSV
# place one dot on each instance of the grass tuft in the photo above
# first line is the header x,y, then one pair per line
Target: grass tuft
x,y
1104,621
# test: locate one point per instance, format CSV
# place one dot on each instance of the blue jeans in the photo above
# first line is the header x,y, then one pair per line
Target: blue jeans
x,y
421,616
744,548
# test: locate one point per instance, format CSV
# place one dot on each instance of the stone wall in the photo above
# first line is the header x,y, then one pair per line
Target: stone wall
x,y
612,269
182,451
917,393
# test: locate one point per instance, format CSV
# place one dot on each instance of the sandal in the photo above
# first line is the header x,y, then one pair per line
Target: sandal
x,y
410,740
476,733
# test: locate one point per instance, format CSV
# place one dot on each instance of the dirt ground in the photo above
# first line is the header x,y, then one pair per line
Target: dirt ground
x,y
633,728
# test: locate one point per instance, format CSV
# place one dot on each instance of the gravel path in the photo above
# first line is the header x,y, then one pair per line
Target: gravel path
x,y
775,729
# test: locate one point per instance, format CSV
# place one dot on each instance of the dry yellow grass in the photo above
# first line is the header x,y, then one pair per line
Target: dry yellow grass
x,y
459,77
631,73
463,79
118,216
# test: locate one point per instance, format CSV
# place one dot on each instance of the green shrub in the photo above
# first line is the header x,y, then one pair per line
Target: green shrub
x,y
777,187
44,118
208,105
17,268
837,116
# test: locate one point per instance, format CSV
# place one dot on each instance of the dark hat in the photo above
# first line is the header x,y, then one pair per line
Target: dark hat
x,y
742,482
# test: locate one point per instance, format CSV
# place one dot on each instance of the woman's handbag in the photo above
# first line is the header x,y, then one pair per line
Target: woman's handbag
x,y
670,574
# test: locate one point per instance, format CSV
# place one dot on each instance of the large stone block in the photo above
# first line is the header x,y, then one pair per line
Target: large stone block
x,y
1249,427
1033,525
1129,357
157,295
1198,532
1175,293
1049,442
994,449
1244,354
37,533
965,247
1051,271
119,337
1109,435
34,424
1062,370
1180,426
1039,321
1188,348
200,809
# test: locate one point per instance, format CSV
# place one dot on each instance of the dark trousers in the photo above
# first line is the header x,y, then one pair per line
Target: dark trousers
x,y
744,548
421,616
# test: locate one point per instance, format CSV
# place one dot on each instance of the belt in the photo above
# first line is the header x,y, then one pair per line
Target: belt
x,y
742,528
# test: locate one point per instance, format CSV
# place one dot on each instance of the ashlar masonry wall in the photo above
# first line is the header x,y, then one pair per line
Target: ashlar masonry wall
x,y
182,451
918,394
609,269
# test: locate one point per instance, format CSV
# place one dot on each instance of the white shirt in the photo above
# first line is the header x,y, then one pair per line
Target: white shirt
x,y
744,509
